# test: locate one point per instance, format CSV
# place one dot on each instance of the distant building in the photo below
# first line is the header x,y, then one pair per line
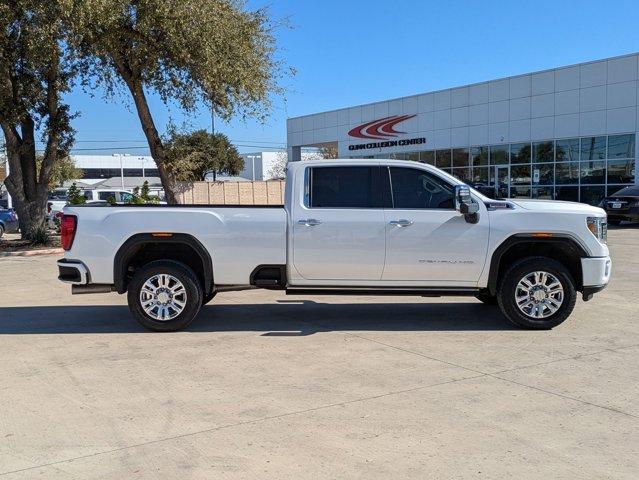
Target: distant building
x,y
108,166
568,133
260,165
268,165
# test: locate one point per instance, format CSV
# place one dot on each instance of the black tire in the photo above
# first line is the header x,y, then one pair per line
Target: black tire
x,y
1,230
507,292
614,222
191,285
486,298
206,298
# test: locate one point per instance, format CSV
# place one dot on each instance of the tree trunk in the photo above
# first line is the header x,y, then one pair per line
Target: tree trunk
x,y
150,132
30,201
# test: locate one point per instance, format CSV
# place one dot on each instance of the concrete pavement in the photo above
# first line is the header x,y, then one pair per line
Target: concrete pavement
x,y
268,386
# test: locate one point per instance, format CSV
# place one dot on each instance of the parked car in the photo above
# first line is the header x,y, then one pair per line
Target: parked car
x,y
622,205
56,200
8,221
360,227
120,197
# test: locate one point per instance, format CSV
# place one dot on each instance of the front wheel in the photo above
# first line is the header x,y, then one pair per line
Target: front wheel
x,y
537,293
164,296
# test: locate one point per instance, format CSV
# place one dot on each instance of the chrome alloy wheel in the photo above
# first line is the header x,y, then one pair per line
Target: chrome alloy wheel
x,y
163,297
539,294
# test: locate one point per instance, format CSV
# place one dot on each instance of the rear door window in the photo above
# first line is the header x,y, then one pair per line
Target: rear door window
x,y
344,187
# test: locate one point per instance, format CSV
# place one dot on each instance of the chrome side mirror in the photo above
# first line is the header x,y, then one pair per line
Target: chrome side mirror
x,y
465,205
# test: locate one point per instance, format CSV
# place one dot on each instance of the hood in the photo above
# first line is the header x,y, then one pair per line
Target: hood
x,y
552,206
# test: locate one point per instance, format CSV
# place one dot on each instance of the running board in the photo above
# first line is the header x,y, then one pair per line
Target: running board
x,y
419,292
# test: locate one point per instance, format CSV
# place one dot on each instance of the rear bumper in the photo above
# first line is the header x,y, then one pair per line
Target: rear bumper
x,y
73,272
631,213
11,226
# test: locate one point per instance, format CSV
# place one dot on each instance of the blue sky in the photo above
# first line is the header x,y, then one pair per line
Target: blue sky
x,y
351,52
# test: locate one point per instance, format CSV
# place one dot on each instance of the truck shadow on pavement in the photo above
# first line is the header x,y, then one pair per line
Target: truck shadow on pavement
x,y
284,318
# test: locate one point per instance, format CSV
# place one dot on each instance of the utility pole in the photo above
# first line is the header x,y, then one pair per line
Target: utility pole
x,y
120,155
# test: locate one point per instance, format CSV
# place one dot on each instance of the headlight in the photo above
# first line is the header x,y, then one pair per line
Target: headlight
x,y
599,228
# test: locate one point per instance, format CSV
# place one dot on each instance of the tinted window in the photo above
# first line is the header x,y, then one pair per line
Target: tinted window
x,y
342,187
106,195
414,188
520,153
593,148
567,150
621,146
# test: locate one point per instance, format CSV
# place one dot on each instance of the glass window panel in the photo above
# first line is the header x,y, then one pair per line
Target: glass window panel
x,y
463,174
520,175
543,152
414,188
621,146
520,153
621,171
342,187
542,192
567,150
442,158
398,156
593,172
460,157
499,154
520,192
593,194
480,175
593,148
448,170
479,156
543,174
570,194
427,157
413,156
566,173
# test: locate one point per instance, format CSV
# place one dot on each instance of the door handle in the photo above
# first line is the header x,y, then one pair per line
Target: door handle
x,y
402,222
309,222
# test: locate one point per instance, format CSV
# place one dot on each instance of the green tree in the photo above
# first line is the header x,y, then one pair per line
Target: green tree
x,y
186,51
35,72
192,155
63,169
74,195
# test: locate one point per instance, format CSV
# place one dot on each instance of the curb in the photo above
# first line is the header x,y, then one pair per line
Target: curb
x,y
32,253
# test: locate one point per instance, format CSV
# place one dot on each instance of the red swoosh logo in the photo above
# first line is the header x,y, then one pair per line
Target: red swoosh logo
x,y
379,129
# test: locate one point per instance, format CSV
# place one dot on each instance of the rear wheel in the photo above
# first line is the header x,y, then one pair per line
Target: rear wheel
x,y
164,296
537,293
1,230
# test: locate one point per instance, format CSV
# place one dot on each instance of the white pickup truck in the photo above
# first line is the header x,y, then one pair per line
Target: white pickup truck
x,y
364,227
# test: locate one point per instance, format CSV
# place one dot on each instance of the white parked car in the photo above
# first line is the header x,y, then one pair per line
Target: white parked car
x,y
362,227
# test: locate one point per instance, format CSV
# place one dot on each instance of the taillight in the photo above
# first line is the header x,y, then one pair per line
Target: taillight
x,y
68,224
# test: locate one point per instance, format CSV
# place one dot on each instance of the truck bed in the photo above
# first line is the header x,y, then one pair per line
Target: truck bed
x,y
237,237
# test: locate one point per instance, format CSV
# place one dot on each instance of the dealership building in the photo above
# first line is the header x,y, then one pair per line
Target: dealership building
x,y
567,133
